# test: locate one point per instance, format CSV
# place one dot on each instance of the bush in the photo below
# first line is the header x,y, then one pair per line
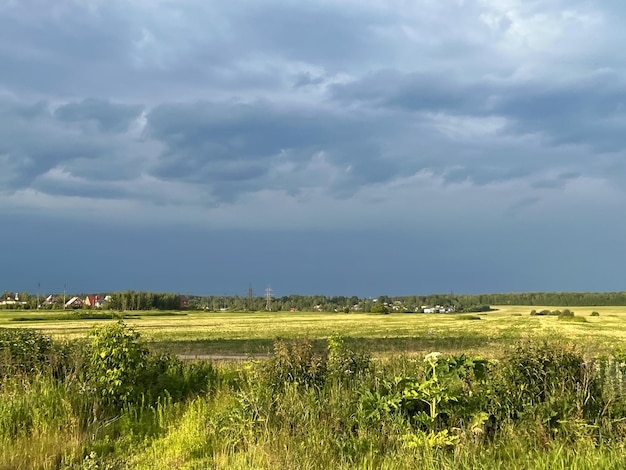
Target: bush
x,y
595,314
115,363
548,381
344,363
295,362
121,370
298,362
29,352
573,319
379,308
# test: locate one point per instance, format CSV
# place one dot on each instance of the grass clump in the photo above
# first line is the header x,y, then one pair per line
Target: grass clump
x,y
467,317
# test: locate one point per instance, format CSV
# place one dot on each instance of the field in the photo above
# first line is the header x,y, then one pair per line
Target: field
x,y
313,390
226,334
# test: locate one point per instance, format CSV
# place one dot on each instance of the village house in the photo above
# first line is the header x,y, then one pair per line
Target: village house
x,y
12,301
93,301
74,302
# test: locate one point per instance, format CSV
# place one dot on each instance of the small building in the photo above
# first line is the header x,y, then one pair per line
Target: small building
x,y
184,301
13,301
74,302
93,301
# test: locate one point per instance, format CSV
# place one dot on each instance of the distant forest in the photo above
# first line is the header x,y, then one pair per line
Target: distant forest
x,y
131,300
411,303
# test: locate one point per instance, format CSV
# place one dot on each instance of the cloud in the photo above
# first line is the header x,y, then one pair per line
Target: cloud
x,y
108,117
316,104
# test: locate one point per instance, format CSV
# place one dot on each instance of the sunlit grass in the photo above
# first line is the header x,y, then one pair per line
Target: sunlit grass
x,y
254,333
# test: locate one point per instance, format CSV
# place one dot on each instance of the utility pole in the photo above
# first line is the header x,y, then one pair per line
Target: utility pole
x,y
268,299
64,288
38,288
250,296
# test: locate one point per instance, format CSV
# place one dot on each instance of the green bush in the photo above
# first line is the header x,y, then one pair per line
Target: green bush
x,y
379,308
573,319
29,352
116,362
343,362
595,314
121,370
467,317
295,361
541,380
299,362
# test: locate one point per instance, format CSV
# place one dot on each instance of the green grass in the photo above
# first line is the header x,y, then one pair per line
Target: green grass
x,y
265,414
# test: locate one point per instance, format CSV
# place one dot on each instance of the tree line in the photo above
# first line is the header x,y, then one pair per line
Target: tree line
x,y
132,300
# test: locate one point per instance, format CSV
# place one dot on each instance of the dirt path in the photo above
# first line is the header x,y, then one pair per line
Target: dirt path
x,y
223,357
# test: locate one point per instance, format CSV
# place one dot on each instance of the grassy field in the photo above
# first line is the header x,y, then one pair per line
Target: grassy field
x,y
202,333
104,399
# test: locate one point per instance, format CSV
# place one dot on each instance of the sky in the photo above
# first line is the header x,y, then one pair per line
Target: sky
x,y
344,147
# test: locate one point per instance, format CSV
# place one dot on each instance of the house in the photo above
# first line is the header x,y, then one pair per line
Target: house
x,y
184,301
93,301
50,300
13,301
293,309
74,302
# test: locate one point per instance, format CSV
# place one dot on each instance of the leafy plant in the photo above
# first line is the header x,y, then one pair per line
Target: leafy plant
x,y
116,362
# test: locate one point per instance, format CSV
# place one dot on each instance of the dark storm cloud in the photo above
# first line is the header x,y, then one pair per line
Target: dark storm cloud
x,y
239,144
60,48
588,112
34,140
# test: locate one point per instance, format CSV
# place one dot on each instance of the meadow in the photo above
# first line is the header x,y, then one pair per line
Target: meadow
x,y
240,333
502,389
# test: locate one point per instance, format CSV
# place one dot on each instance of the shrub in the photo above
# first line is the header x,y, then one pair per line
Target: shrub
x,y
467,317
299,362
295,362
115,363
573,319
344,363
379,308
548,381
595,314
166,374
29,352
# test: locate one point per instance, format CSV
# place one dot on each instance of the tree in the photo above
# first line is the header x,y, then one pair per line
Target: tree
x,y
379,308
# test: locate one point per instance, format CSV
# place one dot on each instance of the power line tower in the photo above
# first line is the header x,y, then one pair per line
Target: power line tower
x,y
268,299
250,295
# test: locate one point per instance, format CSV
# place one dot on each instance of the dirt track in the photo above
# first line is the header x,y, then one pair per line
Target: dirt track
x,y
222,357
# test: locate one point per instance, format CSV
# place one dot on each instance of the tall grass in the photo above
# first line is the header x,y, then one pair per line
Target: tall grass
x,y
111,403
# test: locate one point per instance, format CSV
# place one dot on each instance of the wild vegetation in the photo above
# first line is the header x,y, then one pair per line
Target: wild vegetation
x,y
105,397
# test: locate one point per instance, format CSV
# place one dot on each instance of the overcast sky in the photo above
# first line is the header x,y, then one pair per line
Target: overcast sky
x,y
340,147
